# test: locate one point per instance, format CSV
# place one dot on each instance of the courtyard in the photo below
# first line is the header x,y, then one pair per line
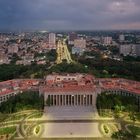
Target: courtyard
x,y
70,113
67,130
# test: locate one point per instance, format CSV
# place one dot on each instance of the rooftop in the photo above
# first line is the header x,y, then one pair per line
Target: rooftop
x,y
10,86
70,83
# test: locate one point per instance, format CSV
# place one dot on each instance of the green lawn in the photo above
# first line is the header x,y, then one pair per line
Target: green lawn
x,y
3,117
134,129
36,115
7,130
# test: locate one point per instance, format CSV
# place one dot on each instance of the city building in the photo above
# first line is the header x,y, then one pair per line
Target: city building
x,y
4,58
107,40
52,41
13,49
122,38
125,49
16,86
82,89
70,89
137,50
130,49
79,46
72,36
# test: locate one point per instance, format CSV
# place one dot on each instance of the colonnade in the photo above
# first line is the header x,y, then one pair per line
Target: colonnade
x,y
70,100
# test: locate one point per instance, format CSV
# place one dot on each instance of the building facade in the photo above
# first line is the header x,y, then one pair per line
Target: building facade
x,y
82,89
52,41
16,86
70,89
130,49
79,46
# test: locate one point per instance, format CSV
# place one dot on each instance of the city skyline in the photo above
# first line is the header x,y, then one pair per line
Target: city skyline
x,y
69,15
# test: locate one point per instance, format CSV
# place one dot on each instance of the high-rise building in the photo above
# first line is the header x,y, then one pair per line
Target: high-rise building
x,y
79,46
52,41
125,49
13,48
130,49
72,37
80,43
122,38
137,50
3,58
107,40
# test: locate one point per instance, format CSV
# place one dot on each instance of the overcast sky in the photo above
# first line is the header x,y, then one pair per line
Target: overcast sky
x,y
69,14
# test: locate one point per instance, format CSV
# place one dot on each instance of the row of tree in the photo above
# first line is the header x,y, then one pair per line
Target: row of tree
x,y
23,101
68,68
116,102
12,71
123,69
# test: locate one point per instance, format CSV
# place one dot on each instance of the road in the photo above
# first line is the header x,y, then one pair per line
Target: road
x,y
63,52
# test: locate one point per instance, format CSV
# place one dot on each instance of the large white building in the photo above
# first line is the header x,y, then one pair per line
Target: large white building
x,y
130,49
4,58
82,89
79,46
72,37
107,40
122,38
70,89
13,49
137,50
13,87
52,41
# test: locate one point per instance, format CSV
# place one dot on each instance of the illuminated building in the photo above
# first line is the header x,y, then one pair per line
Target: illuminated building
x,y
52,41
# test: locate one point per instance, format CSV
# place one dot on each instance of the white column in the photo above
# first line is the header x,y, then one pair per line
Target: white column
x,y
93,99
71,100
59,100
83,100
65,100
89,100
77,100
80,99
52,100
62,100
86,100
74,100
68,100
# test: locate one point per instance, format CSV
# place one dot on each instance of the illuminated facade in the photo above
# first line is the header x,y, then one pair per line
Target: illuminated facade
x,y
70,89
82,89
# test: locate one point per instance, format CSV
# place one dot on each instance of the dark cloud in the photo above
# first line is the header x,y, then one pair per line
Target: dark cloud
x,y
69,14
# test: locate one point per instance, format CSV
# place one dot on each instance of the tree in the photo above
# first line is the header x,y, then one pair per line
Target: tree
x,y
26,100
123,135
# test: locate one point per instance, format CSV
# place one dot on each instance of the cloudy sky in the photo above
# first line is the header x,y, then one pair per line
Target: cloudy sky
x,y
69,14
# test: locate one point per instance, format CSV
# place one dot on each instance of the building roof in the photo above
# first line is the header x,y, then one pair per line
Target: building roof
x,y
81,83
122,84
9,86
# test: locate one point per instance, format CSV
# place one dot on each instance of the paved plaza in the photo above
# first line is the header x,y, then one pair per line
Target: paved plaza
x,y
70,113
70,129
56,130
